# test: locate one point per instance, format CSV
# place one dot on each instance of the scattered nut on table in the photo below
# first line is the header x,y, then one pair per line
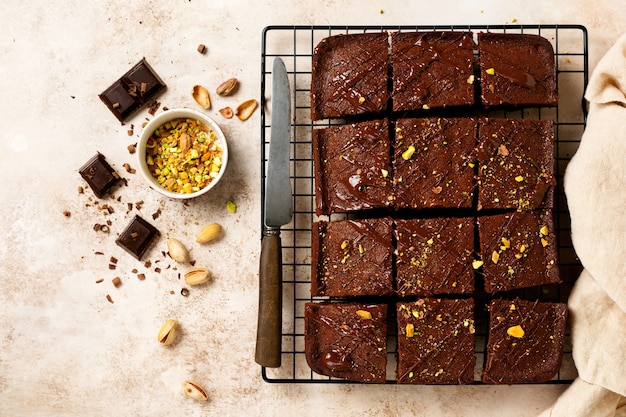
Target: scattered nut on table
x,y
227,87
197,276
209,232
168,332
195,391
177,250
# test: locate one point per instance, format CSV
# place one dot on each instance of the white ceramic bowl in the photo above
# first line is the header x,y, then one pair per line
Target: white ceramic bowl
x,y
165,117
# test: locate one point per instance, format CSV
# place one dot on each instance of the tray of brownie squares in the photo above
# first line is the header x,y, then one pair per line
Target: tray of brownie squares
x,y
430,241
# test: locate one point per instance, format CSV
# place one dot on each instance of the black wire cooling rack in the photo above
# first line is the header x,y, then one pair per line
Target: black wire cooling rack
x,y
295,45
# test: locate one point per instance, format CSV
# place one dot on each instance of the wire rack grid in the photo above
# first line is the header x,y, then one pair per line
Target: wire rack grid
x,y
295,45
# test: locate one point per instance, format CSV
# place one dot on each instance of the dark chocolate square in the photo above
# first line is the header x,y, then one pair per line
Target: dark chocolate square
x,y
434,256
137,237
352,258
347,340
516,70
436,341
132,90
99,175
516,164
518,250
432,70
352,166
433,163
525,341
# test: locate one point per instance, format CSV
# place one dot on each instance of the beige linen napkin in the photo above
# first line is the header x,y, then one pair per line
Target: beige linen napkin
x,y
595,186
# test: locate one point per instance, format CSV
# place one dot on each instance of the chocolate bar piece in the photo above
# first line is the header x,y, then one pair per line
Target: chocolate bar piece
x,y
99,175
132,90
137,236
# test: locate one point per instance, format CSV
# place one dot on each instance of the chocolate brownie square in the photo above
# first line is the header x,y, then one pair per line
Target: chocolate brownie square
x,y
349,75
433,162
352,166
347,340
518,250
432,69
516,164
436,341
434,256
525,341
516,70
352,258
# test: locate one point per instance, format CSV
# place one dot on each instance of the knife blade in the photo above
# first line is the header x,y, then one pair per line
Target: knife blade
x,y
278,212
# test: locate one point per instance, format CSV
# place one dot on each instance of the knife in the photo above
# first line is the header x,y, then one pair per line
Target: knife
x,y
278,211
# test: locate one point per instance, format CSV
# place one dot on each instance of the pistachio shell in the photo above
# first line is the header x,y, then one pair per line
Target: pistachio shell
x,y
177,250
168,332
197,276
226,112
195,391
245,109
201,95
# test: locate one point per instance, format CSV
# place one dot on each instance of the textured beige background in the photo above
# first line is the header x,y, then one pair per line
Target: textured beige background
x,y
64,350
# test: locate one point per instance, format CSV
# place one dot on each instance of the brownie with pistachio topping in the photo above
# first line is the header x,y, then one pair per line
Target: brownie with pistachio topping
x,y
347,340
525,341
434,256
518,250
433,162
516,164
352,167
352,258
432,70
516,70
349,75
436,341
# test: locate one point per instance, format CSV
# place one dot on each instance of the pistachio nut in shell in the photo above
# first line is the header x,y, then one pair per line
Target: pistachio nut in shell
x,y
209,232
201,95
168,332
197,276
177,250
195,391
245,109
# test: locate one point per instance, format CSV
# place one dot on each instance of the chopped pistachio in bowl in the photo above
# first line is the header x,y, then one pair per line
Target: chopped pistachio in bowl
x,y
182,153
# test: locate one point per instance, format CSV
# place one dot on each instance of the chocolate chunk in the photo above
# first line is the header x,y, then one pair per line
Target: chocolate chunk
x,y
137,236
99,175
132,90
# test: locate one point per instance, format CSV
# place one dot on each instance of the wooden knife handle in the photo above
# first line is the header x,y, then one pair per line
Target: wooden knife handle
x,y
269,329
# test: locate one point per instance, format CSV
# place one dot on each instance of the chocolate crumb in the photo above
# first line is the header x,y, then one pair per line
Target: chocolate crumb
x,y
130,132
109,299
113,260
184,292
157,270
97,227
99,253
156,214
147,264
99,280
154,107
81,190
116,282
112,266
201,48
105,228
141,277
66,213
132,148
172,292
